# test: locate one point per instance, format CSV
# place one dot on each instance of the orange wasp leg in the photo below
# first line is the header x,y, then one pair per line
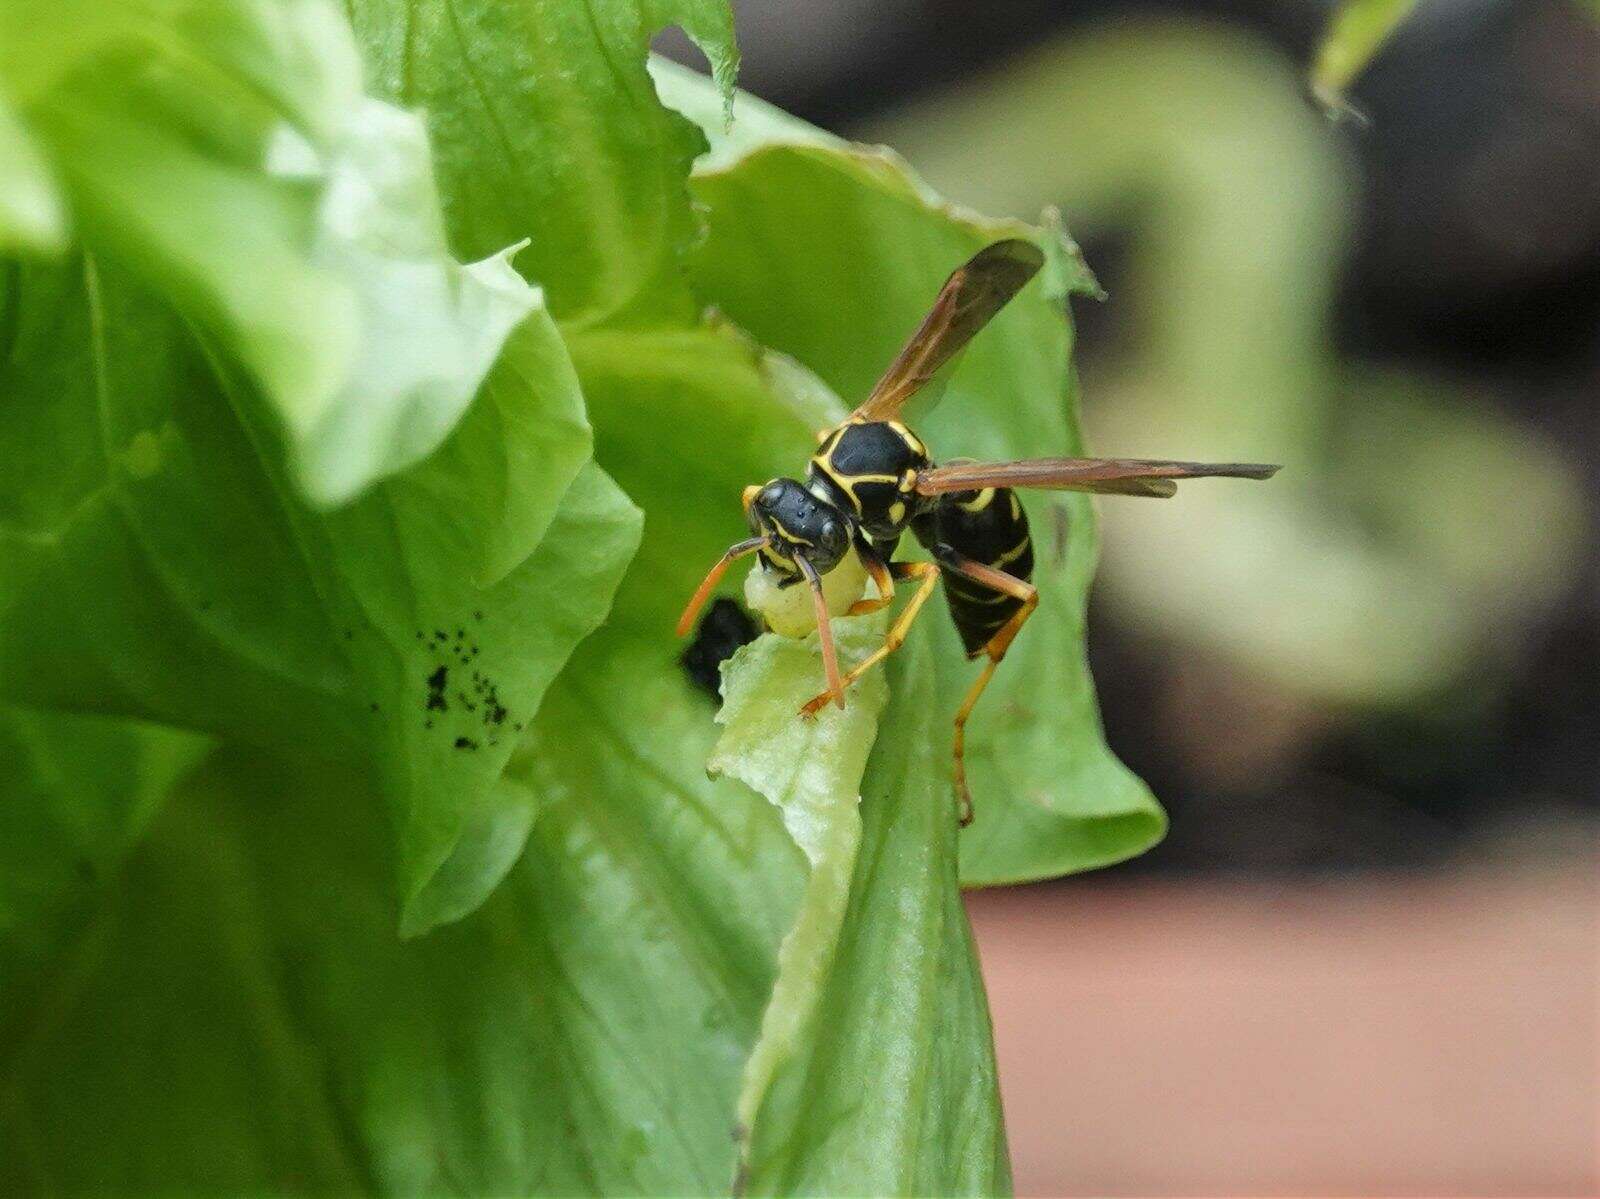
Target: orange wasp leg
x,y
995,649
882,578
929,574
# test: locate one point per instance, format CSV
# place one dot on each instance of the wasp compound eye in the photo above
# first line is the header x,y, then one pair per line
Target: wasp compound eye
x,y
832,538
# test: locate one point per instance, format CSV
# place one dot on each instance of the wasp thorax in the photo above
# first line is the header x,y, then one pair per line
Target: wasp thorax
x,y
796,522
870,468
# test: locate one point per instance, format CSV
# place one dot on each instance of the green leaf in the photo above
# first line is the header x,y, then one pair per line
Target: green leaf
x,y
585,1031
666,955
573,1036
79,791
754,123
705,884
430,328
31,215
811,771
208,596
1356,32
873,1073
533,620
621,746
224,152
832,254
894,1090
548,128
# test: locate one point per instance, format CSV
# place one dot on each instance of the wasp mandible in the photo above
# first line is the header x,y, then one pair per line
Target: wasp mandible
x,y
871,479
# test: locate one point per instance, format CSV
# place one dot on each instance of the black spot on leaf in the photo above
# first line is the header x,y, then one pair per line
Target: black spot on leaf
x,y
436,685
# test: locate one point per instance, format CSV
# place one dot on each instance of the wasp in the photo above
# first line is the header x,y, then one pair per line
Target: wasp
x,y
872,479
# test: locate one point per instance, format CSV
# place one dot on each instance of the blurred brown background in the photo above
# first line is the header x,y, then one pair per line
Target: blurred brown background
x,y
1365,959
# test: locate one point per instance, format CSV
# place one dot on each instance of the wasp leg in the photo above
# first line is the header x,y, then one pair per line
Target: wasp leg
x,y
929,574
996,648
882,577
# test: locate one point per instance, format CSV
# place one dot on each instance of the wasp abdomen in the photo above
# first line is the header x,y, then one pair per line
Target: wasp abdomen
x,y
989,527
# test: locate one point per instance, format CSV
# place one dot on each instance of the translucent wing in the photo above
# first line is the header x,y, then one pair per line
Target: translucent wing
x,y
967,302
1111,476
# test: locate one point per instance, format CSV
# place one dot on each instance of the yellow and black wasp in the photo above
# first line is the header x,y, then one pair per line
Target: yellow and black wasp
x,y
871,478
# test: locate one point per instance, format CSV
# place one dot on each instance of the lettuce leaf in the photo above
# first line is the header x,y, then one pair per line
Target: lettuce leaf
x,y
303,548
223,152
205,594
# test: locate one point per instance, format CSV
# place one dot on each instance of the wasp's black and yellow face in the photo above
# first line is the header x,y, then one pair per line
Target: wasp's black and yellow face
x,y
795,521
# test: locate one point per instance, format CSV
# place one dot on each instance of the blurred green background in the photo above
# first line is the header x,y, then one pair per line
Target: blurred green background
x,y
1374,682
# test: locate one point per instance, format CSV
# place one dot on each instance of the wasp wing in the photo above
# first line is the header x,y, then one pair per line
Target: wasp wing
x,y
967,302
1109,476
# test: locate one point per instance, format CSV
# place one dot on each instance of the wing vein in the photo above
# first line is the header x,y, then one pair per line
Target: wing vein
x,y
1113,476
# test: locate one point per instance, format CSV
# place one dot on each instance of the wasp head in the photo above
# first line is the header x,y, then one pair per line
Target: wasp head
x,y
796,523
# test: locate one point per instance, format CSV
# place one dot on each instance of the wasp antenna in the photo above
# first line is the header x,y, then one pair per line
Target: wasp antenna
x,y
713,577
830,659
